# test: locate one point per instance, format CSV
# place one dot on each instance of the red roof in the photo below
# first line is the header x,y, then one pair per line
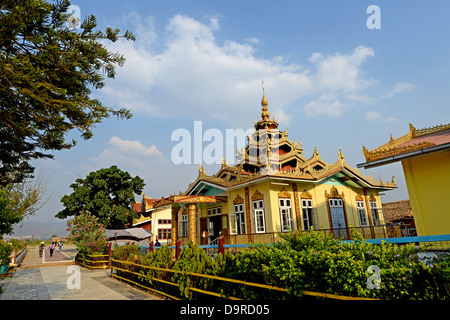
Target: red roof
x,y
436,138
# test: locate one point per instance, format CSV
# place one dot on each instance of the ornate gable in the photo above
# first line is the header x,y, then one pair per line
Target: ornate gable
x,y
284,194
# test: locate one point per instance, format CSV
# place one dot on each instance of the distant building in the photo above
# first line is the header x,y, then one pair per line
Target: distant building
x,y
157,221
274,188
400,212
425,158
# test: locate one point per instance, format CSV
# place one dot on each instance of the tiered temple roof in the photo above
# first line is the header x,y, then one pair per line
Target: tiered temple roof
x,y
269,153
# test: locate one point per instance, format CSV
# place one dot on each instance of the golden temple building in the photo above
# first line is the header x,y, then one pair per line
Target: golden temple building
x,y
274,188
425,157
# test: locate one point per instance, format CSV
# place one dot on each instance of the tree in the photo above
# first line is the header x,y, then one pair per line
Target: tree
x,y
20,200
107,193
7,216
47,72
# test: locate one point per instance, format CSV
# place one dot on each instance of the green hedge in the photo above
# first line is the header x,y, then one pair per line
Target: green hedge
x,y
312,262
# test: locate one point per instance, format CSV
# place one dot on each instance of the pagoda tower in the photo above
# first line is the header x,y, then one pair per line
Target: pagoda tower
x,y
268,148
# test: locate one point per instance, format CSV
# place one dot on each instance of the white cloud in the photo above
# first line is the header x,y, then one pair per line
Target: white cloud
x,y
399,88
340,71
373,115
193,75
326,104
376,115
133,147
129,153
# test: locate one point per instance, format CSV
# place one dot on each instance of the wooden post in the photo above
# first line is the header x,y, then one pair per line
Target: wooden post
x,y
109,255
151,246
177,249
220,244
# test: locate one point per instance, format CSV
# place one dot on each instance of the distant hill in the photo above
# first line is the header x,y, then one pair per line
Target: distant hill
x,y
41,229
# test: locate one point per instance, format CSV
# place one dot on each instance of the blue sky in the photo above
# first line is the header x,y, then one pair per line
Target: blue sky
x,y
329,80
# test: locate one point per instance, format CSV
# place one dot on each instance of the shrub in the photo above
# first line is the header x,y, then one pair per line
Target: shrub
x,y
87,233
192,259
159,258
127,252
313,262
317,262
5,251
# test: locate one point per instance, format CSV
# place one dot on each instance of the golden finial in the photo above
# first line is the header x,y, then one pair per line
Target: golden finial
x,y
341,157
391,140
316,153
264,104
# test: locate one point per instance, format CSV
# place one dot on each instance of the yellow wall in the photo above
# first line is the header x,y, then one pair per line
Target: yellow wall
x,y
271,202
270,191
428,182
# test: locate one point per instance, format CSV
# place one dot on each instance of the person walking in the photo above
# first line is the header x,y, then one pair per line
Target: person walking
x,y
52,248
41,249
60,245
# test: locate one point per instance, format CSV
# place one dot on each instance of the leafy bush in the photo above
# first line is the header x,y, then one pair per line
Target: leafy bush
x,y
159,258
192,259
302,262
5,251
16,244
127,252
317,262
87,233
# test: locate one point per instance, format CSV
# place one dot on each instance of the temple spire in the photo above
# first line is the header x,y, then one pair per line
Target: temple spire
x,y
264,104
265,122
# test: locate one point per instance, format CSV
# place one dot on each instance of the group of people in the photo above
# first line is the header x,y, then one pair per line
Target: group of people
x,y
51,247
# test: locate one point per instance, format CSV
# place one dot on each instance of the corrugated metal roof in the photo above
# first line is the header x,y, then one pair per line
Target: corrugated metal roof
x,y
130,233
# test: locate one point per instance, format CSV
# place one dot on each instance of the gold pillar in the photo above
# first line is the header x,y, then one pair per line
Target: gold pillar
x,y
174,232
298,214
192,223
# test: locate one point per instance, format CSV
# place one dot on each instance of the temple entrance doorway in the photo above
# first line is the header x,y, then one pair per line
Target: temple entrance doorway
x,y
215,227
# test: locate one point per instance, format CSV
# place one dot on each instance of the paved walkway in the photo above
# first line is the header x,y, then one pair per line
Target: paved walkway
x,y
65,282
64,257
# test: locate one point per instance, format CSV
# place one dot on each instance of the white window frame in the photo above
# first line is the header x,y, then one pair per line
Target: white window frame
x,y
287,223
308,213
362,214
183,226
374,211
237,220
258,212
214,211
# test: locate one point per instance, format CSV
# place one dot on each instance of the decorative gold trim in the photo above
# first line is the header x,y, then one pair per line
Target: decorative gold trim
x,y
334,193
257,196
424,131
359,197
372,198
306,195
392,147
284,194
393,151
238,200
